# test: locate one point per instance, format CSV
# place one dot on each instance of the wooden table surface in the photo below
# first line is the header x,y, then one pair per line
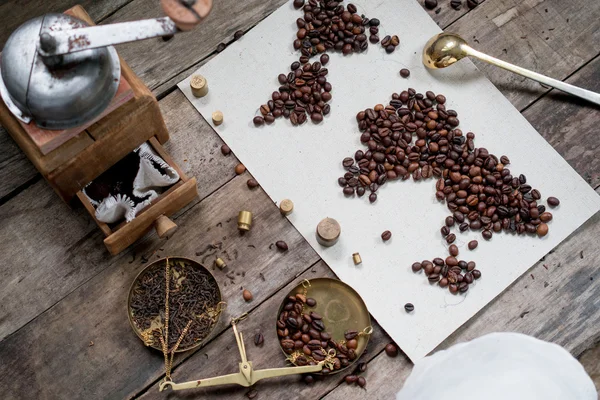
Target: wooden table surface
x,y
64,331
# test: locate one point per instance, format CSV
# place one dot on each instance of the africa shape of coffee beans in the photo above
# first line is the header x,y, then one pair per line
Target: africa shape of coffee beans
x,y
326,26
303,334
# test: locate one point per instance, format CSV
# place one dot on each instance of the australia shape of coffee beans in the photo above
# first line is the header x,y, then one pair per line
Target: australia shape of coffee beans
x,y
416,136
327,25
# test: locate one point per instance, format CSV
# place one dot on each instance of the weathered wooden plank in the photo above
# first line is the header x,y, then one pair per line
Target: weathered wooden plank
x,y
556,300
570,124
118,365
552,37
269,355
43,266
590,360
15,168
155,61
15,12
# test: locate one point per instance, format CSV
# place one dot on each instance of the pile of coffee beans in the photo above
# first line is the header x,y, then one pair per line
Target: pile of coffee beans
x,y
304,93
477,187
449,273
303,335
327,24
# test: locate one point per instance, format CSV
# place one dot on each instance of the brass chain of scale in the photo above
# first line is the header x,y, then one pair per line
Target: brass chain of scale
x,y
164,340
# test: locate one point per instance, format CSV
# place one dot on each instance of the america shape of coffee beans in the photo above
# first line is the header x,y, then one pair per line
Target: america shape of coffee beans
x,y
303,336
416,136
327,25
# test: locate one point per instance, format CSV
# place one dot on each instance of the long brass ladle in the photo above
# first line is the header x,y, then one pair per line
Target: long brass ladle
x,y
445,49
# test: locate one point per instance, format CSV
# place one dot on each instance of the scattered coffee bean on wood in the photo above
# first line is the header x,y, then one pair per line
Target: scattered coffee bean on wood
x,y
252,393
308,379
455,4
281,245
259,339
221,47
238,34
409,307
361,367
405,73
240,169
473,244
472,3
553,201
247,295
391,350
431,4
225,150
361,381
252,183
385,236
350,379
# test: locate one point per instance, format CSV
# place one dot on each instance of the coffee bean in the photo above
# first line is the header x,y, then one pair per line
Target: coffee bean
x,y
385,236
416,267
258,339
225,150
391,350
409,307
449,221
542,229
473,244
348,162
311,302
472,3
281,245
252,393
298,4
374,22
361,381
238,34
247,295
431,4
455,4
405,73
350,379
453,249
373,197
252,183
450,238
553,201
476,274
258,120
240,169
487,234
221,47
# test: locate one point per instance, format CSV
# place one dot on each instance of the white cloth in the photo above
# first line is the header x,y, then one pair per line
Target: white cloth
x,y
147,184
499,366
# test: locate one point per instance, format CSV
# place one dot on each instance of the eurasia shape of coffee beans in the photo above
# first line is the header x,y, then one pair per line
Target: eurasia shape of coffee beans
x,y
304,92
416,135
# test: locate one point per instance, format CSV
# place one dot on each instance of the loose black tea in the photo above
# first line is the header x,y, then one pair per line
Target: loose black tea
x,y
193,296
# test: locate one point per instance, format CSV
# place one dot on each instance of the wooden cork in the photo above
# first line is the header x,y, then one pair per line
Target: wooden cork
x,y
356,258
199,86
217,118
328,232
286,207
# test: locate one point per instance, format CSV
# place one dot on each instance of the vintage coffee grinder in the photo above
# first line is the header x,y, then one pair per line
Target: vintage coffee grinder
x,y
75,108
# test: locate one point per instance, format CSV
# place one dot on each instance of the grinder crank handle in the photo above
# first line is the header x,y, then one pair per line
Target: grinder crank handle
x,y
182,15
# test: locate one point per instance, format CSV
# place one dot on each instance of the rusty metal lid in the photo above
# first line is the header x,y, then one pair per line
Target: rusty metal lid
x,y
56,92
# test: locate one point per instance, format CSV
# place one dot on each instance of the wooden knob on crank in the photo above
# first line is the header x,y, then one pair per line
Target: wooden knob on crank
x,y
186,13
164,227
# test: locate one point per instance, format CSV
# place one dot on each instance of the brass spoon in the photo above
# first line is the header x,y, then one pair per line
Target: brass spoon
x,y
445,49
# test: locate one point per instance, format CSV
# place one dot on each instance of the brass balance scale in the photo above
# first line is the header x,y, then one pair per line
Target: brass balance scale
x,y
341,307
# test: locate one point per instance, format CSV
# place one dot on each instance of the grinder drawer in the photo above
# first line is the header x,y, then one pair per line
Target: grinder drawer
x,y
156,214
